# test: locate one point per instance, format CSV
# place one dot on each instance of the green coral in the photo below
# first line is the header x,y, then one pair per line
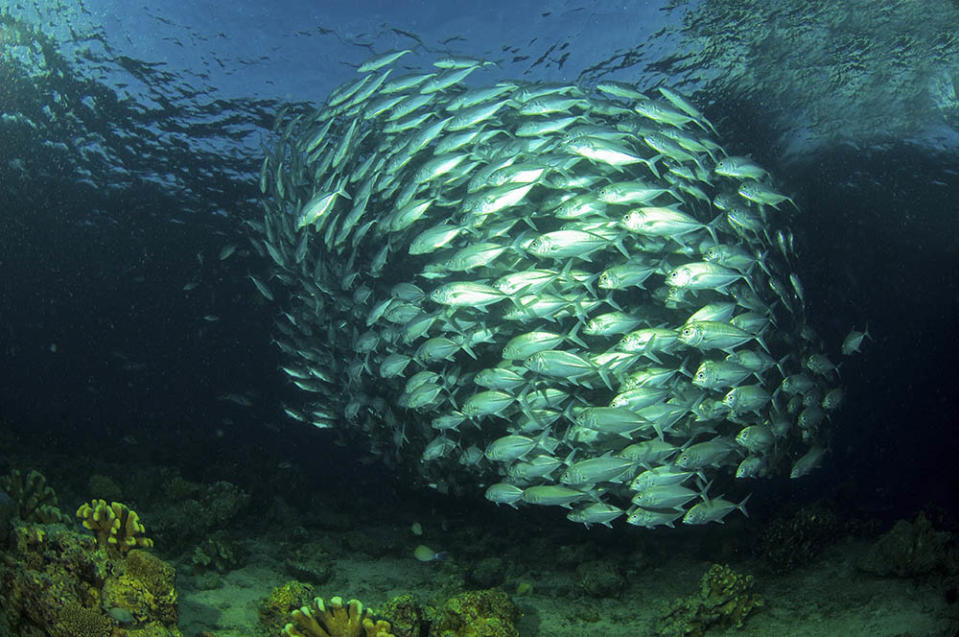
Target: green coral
x,y
724,600
36,502
116,527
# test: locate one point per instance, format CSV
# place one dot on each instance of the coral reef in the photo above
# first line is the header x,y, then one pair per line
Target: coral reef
x,y
479,613
601,578
335,619
308,561
36,502
53,582
408,617
788,542
8,511
486,613
218,553
274,610
116,527
143,585
909,550
724,600
191,511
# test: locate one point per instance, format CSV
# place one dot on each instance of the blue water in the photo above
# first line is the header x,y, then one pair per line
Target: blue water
x,y
129,159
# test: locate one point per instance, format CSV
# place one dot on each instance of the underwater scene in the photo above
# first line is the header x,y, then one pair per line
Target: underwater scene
x,y
448,319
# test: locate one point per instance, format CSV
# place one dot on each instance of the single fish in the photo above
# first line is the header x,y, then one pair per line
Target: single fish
x,y
852,344
713,510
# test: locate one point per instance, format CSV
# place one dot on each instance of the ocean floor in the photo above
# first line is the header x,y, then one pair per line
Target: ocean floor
x,y
829,597
238,528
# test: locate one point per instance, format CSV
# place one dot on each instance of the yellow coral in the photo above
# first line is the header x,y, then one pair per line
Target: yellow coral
x,y
335,620
116,527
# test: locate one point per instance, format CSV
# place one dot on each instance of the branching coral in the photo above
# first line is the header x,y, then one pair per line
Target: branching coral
x,y
36,502
117,528
335,620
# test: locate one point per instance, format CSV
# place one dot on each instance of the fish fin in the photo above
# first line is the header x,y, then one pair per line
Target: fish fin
x,y
604,375
684,370
517,242
609,301
749,282
710,227
762,342
742,505
659,430
573,336
529,222
588,284
542,441
622,249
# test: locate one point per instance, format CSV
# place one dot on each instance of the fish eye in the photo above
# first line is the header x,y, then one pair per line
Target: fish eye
x,y
700,375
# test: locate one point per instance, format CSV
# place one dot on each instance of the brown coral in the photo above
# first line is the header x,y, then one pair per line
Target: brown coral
x,y
116,527
335,620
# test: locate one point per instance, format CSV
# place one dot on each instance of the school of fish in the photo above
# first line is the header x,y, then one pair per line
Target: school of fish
x,y
550,294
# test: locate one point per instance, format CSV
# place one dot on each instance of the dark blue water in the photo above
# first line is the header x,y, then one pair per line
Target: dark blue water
x,y
129,150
